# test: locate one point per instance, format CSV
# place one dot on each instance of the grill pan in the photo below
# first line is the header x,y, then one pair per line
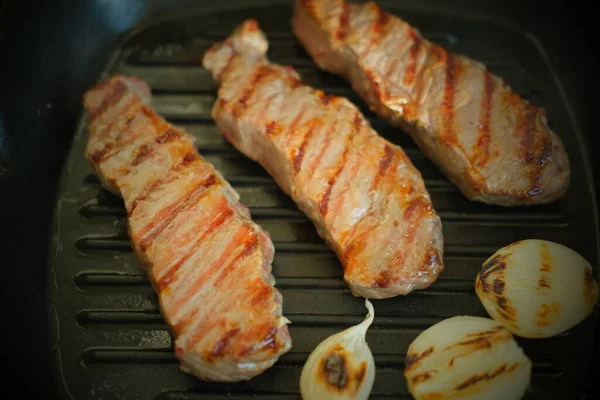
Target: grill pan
x,y
109,340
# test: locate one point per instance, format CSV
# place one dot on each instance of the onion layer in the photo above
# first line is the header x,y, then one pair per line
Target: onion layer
x,y
467,357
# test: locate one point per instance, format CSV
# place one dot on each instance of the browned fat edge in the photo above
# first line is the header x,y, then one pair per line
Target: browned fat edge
x,y
482,146
164,218
452,72
486,376
413,359
117,92
299,153
258,74
165,280
413,53
344,22
324,203
219,348
186,161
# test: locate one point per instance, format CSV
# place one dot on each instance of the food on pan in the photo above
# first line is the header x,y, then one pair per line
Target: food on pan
x,y
206,259
536,288
467,357
495,146
363,194
341,366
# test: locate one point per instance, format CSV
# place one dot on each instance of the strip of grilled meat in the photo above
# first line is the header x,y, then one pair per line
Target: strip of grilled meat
x,y
206,259
495,146
363,194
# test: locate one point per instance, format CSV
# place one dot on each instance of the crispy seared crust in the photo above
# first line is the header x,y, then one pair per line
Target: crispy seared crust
x,y
363,194
494,145
208,262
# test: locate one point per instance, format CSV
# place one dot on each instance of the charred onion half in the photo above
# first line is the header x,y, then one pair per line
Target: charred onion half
x,y
467,357
537,288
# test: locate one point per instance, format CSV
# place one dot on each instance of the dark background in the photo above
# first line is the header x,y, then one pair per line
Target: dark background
x,y
51,51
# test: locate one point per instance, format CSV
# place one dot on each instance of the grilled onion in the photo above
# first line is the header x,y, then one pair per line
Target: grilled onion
x,y
467,358
341,366
536,288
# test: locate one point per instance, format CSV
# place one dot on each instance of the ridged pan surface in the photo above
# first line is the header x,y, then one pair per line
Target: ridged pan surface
x,y
110,341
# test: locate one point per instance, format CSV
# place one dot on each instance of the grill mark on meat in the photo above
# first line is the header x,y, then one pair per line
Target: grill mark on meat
x,y
167,277
130,111
413,212
186,294
413,53
380,22
344,22
449,135
326,99
315,161
118,90
381,95
164,218
324,202
185,162
167,137
482,146
291,129
250,246
141,154
299,152
384,164
269,339
258,75
273,128
417,203
391,67
525,130
219,348
261,295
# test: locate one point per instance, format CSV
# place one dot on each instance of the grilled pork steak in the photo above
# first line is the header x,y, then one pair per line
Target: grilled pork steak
x,y
494,145
206,259
363,194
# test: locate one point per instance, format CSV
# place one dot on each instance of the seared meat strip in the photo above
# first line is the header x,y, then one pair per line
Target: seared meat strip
x,y
495,146
206,259
363,194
